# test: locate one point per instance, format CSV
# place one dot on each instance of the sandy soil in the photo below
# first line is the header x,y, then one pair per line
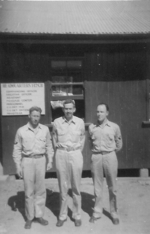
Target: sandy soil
x,y
133,206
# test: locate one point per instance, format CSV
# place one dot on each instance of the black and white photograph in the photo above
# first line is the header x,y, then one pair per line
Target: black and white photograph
x,y
75,117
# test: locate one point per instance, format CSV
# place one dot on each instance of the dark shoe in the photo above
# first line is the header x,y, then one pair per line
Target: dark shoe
x,y
115,221
28,224
77,222
93,219
60,222
41,221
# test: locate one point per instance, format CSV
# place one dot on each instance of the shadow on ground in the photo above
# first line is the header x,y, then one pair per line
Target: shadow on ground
x,y
53,203
17,203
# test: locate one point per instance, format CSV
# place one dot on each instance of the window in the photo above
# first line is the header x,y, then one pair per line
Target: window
x,y
67,83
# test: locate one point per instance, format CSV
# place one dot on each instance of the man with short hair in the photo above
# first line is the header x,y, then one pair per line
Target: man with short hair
x,y
32,151
106,141
68,139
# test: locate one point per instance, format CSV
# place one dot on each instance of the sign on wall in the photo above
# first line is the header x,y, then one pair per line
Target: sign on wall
x,y
18,98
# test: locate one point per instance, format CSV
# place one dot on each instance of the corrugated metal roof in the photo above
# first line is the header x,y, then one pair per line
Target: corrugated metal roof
x,y
94,17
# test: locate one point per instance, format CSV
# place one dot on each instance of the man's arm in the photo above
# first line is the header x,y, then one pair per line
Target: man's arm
x,y
17,151
82,138
49,150
118,139
54,136
90,135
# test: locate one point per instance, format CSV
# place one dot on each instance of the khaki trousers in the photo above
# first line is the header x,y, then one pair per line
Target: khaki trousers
x,y
34,186
69,167
104,164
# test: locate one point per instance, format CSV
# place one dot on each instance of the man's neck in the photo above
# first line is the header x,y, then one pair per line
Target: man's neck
x,y
33,126
69,120
102,123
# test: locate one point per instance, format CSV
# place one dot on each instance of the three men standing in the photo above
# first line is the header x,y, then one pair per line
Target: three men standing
x,y
32,152
69,138
33,142
106,141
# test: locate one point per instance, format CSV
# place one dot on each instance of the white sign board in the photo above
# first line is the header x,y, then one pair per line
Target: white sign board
x,y
18,98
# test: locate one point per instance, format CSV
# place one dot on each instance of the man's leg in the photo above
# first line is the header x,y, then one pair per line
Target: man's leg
x,y
28,176
111,169
40,191
76,166
63,180
98,177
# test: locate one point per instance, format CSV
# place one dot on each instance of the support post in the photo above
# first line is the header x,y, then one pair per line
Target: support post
x,y
144,172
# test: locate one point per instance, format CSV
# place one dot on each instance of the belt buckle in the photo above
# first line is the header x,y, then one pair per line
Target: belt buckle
x,y
69,148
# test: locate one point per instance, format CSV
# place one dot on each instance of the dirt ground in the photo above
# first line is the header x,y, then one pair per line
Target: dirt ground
x,y
133,207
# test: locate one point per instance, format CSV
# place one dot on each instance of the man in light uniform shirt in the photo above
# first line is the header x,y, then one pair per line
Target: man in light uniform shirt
x,y
106,141
69,137
32,151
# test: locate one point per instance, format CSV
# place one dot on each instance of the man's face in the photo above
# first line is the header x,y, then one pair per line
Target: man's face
x,y
102,113
69,110
35,118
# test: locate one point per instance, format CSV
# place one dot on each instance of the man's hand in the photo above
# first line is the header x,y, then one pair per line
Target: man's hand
x,y
49,166
19,171
58,145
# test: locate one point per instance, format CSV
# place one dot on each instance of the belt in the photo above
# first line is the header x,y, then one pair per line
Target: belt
x,y
68,149
102,152
34,156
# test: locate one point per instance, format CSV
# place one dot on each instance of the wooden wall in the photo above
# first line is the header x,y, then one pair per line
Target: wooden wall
x,y
118,77
115,74
127,104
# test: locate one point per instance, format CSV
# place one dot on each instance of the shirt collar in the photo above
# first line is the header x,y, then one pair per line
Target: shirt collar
x,y
64,120
30,127
107,122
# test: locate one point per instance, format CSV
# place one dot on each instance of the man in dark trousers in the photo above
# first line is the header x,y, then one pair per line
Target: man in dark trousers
x,y
69,137
106,141
32,153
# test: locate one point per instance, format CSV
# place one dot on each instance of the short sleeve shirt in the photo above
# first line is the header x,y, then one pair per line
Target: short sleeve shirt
x,y
69,134
105,137
28,142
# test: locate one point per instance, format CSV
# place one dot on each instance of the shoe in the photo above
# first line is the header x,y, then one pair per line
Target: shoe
x,y
77,222
60,222
41,221
28,224
93,219
115,221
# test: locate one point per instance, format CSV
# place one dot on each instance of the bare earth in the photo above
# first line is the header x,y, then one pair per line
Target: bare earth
x,y
133,206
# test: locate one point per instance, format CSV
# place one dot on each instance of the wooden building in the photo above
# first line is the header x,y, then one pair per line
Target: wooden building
x,y
90,51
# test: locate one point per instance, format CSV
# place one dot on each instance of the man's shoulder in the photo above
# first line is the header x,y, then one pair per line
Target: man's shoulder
x,y
113,124
77,118
22,128
43,126
58,119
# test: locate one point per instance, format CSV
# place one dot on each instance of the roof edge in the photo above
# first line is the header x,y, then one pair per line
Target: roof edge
x,y
73,38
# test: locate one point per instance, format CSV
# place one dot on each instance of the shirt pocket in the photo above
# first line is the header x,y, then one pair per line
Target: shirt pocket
x,y
110,139
76,136
62,135
27,144
41,143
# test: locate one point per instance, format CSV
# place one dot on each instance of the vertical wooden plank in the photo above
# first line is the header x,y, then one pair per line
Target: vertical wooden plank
x,y
1,158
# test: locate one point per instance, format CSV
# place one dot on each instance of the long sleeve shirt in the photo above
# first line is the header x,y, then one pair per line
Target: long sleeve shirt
x,y
69,133
106,137
30,142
